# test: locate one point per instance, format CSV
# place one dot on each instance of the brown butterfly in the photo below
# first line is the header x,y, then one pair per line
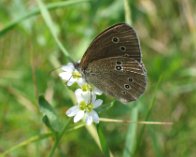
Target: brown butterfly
x,y
113,63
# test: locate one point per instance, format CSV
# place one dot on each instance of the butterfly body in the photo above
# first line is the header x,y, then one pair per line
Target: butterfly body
x,y
113,63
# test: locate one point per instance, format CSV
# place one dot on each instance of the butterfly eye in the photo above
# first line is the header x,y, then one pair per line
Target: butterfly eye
x,y
126,86
122,48
115,40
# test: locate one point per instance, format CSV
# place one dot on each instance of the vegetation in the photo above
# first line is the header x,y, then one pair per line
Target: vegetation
x,y
37,37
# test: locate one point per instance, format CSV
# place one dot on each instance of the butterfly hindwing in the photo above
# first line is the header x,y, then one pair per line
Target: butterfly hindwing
x,y
120,77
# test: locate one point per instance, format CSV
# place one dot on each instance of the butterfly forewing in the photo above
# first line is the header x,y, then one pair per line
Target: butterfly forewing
x,y
118,40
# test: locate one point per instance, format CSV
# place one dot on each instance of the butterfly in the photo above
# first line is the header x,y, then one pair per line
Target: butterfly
x,y
113,63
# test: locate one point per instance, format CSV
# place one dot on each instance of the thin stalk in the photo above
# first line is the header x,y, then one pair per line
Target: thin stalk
x,y
58,138
137,122
26,142
127,12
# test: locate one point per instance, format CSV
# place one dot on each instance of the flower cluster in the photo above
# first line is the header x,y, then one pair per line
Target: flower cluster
x,y
85,95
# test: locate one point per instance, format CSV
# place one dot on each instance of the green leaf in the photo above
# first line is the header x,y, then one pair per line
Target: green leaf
x,y
50,118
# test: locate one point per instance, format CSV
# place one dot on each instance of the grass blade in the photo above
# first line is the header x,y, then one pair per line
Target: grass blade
x,y
26,142
103,142
131,139
49,116
36,11
50,24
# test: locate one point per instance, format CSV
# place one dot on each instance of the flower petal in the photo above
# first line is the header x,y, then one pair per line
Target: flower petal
x,y
71,81
72,111
89,119
85,96
78,116
97,103
95,116
65,75
81,81
93,97
78,94
88,96
68,68
92,117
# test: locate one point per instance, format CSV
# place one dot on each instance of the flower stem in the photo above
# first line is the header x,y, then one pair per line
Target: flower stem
x,y
58,137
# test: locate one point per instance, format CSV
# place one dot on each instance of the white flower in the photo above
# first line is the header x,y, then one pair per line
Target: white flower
x,y
71,75
85,107
86,96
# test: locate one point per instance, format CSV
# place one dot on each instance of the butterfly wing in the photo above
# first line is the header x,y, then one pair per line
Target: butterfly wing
x,y
120,77
118,40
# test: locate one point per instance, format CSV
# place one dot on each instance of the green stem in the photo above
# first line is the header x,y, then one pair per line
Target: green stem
x,y
50,24
24,143
127,12
35,139
131,139
58,138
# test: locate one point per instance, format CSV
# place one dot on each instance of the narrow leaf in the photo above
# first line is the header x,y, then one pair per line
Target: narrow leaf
x,y
103,142
49,116
131,139
51,25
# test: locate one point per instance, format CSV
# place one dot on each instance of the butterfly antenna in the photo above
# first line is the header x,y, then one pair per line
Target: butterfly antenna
x,y
51,71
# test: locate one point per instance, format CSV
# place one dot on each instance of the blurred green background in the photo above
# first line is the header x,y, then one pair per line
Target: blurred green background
x,y
28,52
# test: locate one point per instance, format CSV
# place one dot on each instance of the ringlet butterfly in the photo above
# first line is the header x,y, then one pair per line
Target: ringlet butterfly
x,y
113,63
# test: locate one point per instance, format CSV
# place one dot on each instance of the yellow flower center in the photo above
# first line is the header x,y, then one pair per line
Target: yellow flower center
x,y
86,107
86,87
76,75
